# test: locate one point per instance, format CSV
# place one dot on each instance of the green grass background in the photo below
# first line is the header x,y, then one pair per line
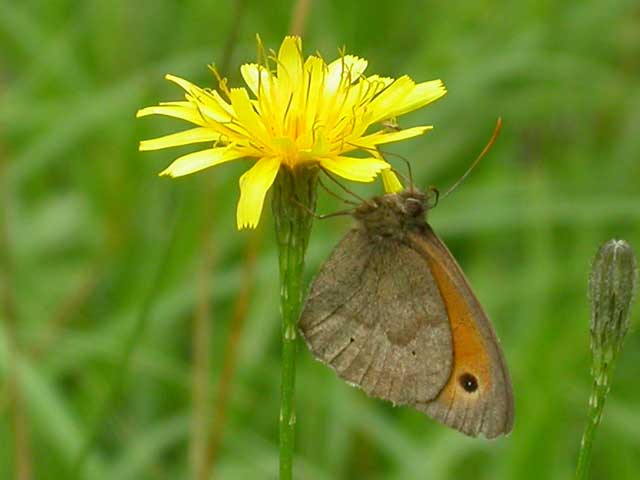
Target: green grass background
x,y
103,257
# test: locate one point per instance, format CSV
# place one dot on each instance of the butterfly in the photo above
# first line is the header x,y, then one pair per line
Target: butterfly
x,y
392,313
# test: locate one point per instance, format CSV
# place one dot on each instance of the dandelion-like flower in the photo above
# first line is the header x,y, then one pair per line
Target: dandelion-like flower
x,y
301,112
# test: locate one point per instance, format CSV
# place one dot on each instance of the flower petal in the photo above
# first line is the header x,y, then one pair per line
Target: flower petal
x,y
185,84
356,169
390,181
247,116
181,110
386,102
378,83
257,78
421,95
312,99
379,138
196,161
194,135
210,107
290,63
254,184
348,67
209,102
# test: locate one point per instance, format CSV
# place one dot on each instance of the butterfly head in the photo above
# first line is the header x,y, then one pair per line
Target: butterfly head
x,y
394,214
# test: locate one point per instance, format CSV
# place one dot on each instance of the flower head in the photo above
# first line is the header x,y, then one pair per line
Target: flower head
x,y
296,111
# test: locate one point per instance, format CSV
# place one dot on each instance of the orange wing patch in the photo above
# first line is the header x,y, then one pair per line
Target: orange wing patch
x,y
471,364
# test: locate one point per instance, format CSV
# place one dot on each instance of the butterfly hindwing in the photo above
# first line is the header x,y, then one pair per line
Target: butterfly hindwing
x,y
478,396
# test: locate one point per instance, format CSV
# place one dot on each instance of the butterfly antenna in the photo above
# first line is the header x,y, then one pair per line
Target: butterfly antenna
x,y
407,163
334,180
334,194
401,175
340,213
348,211
484,151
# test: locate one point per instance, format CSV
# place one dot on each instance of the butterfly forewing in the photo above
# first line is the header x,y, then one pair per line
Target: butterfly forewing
x,y
375,315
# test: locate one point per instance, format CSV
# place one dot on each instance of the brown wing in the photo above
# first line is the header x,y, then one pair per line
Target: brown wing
x,y
374,314
478,397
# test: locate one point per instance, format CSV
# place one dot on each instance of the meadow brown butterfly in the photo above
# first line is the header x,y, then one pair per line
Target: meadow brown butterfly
x,y
391,312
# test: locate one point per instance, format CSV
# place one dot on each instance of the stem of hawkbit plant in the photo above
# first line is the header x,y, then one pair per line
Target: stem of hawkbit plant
x,y
293,200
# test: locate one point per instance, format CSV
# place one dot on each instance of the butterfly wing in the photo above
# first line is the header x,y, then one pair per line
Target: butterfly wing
x,y
375,316
477,397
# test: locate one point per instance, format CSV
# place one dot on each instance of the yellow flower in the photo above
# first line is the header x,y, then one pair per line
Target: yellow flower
x,y
302,111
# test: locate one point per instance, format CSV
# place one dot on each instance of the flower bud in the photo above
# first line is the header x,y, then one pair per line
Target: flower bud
x,y
611,287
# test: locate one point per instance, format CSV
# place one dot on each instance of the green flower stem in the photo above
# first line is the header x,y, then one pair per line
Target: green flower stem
x,y
599,393
293,200
611,287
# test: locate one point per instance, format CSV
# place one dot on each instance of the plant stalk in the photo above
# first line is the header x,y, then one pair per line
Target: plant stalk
x,y
611,288
599,393
293,201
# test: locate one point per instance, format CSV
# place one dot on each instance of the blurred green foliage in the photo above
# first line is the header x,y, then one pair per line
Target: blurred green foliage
x,y
89,226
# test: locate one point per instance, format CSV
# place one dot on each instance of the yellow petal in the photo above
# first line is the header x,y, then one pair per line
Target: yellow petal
x,y
290,63
196,161
356,169
194,135
347,67
369,88
215,97
185,84
379,82
247,116
386,102
211,108
379,138
390,181
257,78
181,110
209,102
421,95
254,184
314,68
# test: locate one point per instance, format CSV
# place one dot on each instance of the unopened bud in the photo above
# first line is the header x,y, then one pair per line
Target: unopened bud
x,y
611,287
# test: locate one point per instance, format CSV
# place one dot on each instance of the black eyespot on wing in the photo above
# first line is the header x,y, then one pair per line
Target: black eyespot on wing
x,y
468,382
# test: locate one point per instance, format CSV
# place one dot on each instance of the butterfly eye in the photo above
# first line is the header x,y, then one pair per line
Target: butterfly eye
x,y
414,207
468,382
